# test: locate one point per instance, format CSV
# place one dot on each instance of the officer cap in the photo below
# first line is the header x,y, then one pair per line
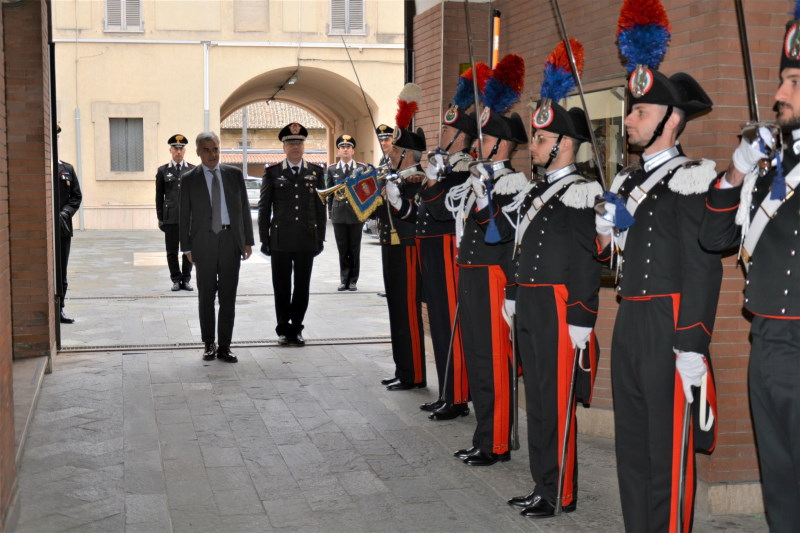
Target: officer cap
x,y
410,140
293,132
384,131
178,141
509,128
679,90
558,120
345,140
790,52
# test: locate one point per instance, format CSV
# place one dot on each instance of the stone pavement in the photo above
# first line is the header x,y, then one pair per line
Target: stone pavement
x,y
145,438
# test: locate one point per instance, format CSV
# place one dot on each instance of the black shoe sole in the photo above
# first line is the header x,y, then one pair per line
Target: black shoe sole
x,y
436,416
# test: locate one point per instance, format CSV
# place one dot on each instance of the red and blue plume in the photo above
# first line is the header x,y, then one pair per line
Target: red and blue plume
x,y
643,33
407,104
558,79
465,93
503,89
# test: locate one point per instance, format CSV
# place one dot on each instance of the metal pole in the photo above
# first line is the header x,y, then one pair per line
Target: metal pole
x,y
687,416
474,80
567,426
514,386
752,96
450,356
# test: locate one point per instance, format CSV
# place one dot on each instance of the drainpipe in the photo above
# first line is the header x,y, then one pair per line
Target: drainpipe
x,y
206,45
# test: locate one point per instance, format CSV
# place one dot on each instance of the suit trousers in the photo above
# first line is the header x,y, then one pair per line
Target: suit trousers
x,y
218,275
546,353
439,278
291,302
401,282
177,273
66,242
775,401
648,416
348,242
487,352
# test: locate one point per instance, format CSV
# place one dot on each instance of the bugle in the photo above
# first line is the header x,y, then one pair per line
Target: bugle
x,y
337,190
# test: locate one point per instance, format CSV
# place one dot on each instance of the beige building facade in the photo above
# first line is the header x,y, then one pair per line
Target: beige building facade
x,y
130,73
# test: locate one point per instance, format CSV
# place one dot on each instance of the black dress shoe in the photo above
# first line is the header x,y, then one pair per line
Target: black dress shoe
x,y
544,509
297,340
466,452
224,354
524,501
210,352
64,319
399,385
341,287
283,340
432,406
176,286
186,286
352,286
450,411
389,381
486,458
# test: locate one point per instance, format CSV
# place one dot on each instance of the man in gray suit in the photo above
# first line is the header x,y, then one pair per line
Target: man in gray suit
x,y
216,235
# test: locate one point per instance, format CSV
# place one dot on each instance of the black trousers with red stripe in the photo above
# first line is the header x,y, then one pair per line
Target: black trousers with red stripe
x,y
648,416
487,352
439,275
774,373
547,356
403,296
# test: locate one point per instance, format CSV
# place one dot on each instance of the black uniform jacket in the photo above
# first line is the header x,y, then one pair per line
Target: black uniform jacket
x,y
291,216
663,255
403,219
168,192
473,249
69,191
773,288
195,211
558,247
341,212
433,217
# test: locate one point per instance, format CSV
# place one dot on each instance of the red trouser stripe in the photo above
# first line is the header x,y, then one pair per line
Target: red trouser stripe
x,y
459,368
501,360
413,316
566,357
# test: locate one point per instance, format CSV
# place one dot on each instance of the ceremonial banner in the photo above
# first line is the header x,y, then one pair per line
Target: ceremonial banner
x,y
363,192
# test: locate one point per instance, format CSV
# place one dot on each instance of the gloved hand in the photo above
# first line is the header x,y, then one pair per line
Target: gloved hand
x,y
604,225
748,154
435,166
692,367
579,336
265,248
509,310
478,187
320,247
161,225
393,194
64,220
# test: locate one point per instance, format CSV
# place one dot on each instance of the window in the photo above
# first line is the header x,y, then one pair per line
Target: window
x,y
127,144
124,15
347,17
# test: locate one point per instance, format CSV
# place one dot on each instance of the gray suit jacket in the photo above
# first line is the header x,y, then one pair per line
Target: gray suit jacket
x,y
195,212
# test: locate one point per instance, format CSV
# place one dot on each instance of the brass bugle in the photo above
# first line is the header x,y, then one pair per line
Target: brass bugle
x,y
336,189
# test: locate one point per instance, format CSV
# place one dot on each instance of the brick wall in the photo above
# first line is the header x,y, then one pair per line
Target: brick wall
x,y
30,175
8,473
705,43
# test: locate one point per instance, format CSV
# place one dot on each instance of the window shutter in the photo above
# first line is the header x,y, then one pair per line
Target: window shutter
x,y
113,14
133,14
127,144
356,22
338,16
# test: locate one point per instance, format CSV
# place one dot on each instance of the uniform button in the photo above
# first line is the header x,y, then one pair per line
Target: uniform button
x,y
536,268
297,218
516,275
297,196
795,232
747,282
544,219
471,252
297,207
469,262
788,272
785,292
619,289
540,243
654,197
537,256
647,260
517,263
649,244
541,231
296,184
644,291
792,253
783,311
473,241
531,280
650,213
650,228
646,276
746,300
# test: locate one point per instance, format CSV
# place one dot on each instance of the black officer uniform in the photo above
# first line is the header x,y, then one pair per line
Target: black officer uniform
x,y
69,200
291,224
556,284
483,276
772,295
401,273
168,199
436,242
384,131
346,226
668,288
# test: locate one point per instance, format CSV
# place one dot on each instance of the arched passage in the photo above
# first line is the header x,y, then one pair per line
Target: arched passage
x,y
335,100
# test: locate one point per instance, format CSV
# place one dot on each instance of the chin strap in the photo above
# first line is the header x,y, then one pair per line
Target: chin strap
x,y
494,149
553,152
660,128
453,140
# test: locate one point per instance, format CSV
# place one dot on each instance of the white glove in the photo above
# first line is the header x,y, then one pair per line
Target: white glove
x,y
579,336
748,154
510,307
435,165
393,194
692,367
604,225
478,187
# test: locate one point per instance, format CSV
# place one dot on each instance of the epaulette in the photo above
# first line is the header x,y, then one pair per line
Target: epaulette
x,y
510,183
693,177
461,161
581,194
